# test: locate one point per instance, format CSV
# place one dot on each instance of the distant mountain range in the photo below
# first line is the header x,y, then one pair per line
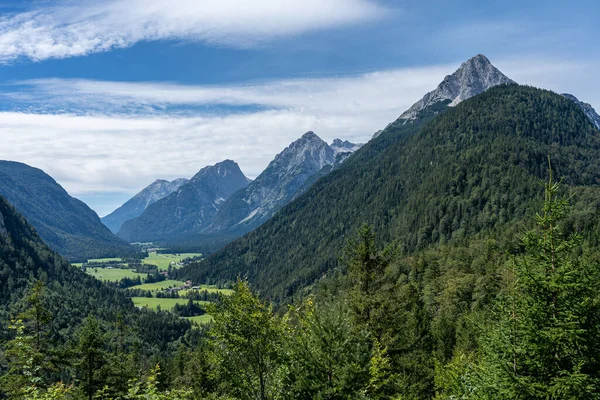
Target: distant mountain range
x,y
196,217
278,184
189,208
157,190
219,203
66,224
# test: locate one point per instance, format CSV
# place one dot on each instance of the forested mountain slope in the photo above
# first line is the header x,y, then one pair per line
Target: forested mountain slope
x,y
72,294
66,224
471,170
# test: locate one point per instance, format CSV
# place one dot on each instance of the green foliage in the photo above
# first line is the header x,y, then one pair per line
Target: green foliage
x,y
328,357
247,338
147,389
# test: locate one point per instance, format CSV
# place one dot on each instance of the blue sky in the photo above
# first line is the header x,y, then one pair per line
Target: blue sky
x,y
108,96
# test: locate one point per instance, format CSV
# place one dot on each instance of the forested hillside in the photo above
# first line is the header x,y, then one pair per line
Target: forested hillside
x,y
54,301
66,224
468,173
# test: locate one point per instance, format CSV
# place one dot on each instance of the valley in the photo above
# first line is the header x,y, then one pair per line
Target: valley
x,y
158,292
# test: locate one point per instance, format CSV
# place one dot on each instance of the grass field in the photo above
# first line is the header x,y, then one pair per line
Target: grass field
x,y
162,261
201,319
165,304
101,260
209,289
113,274
154,287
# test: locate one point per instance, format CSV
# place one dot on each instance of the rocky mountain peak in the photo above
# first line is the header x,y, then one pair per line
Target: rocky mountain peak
x,y
157,190
223,169
474,76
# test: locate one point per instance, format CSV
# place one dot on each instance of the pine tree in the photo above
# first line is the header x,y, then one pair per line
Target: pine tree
x,y
90,346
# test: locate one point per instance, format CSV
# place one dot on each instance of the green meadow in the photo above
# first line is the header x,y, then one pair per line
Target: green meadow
x,y
157,286
208,288
165,304
201,319
162,261
113,274
168,304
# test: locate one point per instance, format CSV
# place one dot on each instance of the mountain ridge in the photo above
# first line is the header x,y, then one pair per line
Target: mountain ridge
x,y
279,183
134,207
65,223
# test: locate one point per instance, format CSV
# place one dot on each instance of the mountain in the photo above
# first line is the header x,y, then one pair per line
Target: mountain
x,y
471,170
66,224
279,183
157,190
587,109
190,208
474,76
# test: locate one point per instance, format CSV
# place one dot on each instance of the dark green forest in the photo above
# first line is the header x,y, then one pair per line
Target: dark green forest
x,y
454,257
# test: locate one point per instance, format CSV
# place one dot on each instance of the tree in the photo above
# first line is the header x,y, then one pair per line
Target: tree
x,y
366,269
90,347
328,357
246,338
28,353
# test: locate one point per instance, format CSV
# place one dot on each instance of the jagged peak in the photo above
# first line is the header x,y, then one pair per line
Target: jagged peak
x,y
222,169
309,136
474,76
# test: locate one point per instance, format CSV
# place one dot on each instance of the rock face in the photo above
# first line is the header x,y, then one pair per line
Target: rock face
x,y
66,224
343,146
279,183
474,76
587,109
157,190
189,208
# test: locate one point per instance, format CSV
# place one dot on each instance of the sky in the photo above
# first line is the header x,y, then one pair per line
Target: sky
x,y
107,96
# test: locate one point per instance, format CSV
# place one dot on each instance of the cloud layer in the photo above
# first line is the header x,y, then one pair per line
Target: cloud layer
x,y
80,28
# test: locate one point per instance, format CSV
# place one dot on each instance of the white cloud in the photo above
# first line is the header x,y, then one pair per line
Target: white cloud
x,y
79,28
